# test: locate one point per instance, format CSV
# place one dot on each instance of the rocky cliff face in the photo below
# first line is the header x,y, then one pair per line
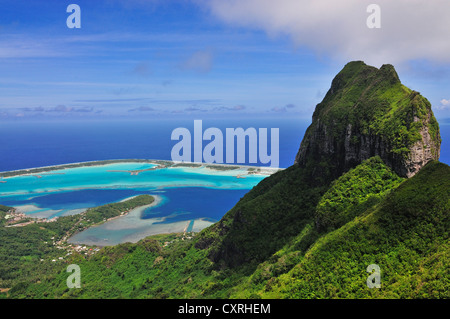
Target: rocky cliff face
x,y
368,112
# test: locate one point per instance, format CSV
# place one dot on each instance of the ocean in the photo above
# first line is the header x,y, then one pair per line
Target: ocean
x,y
36,144
189,196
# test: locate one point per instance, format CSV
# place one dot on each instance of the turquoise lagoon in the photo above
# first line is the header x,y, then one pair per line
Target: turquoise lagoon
x,y
188,198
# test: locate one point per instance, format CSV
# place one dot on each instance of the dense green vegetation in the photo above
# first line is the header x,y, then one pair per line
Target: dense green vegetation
x,y
98,214
4,209
355,192
129,271
406,233
26,253
3,212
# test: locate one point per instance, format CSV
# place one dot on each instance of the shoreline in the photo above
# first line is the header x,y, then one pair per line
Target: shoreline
x,y
130,227
261,170
40,169
157,199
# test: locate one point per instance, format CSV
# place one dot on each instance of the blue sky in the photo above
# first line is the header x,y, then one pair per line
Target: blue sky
x,y
201,58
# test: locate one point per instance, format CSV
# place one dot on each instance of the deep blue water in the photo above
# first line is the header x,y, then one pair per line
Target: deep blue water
x,y
445,146
190,203
36,144
75,199
184,203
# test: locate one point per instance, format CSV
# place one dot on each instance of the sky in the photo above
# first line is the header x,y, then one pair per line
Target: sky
x,y
209,58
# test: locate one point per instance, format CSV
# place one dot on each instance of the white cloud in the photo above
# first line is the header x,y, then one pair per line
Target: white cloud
x,y
410,29
445,105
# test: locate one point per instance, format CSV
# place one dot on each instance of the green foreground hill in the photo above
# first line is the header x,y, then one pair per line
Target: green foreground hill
x,y
366,189
406,233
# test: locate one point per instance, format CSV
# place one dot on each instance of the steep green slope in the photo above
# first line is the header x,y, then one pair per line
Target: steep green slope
x,y
407,235
354,192
265,219
351,195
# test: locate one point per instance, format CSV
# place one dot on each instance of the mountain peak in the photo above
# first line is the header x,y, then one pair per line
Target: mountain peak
x,y
368,112
388,72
